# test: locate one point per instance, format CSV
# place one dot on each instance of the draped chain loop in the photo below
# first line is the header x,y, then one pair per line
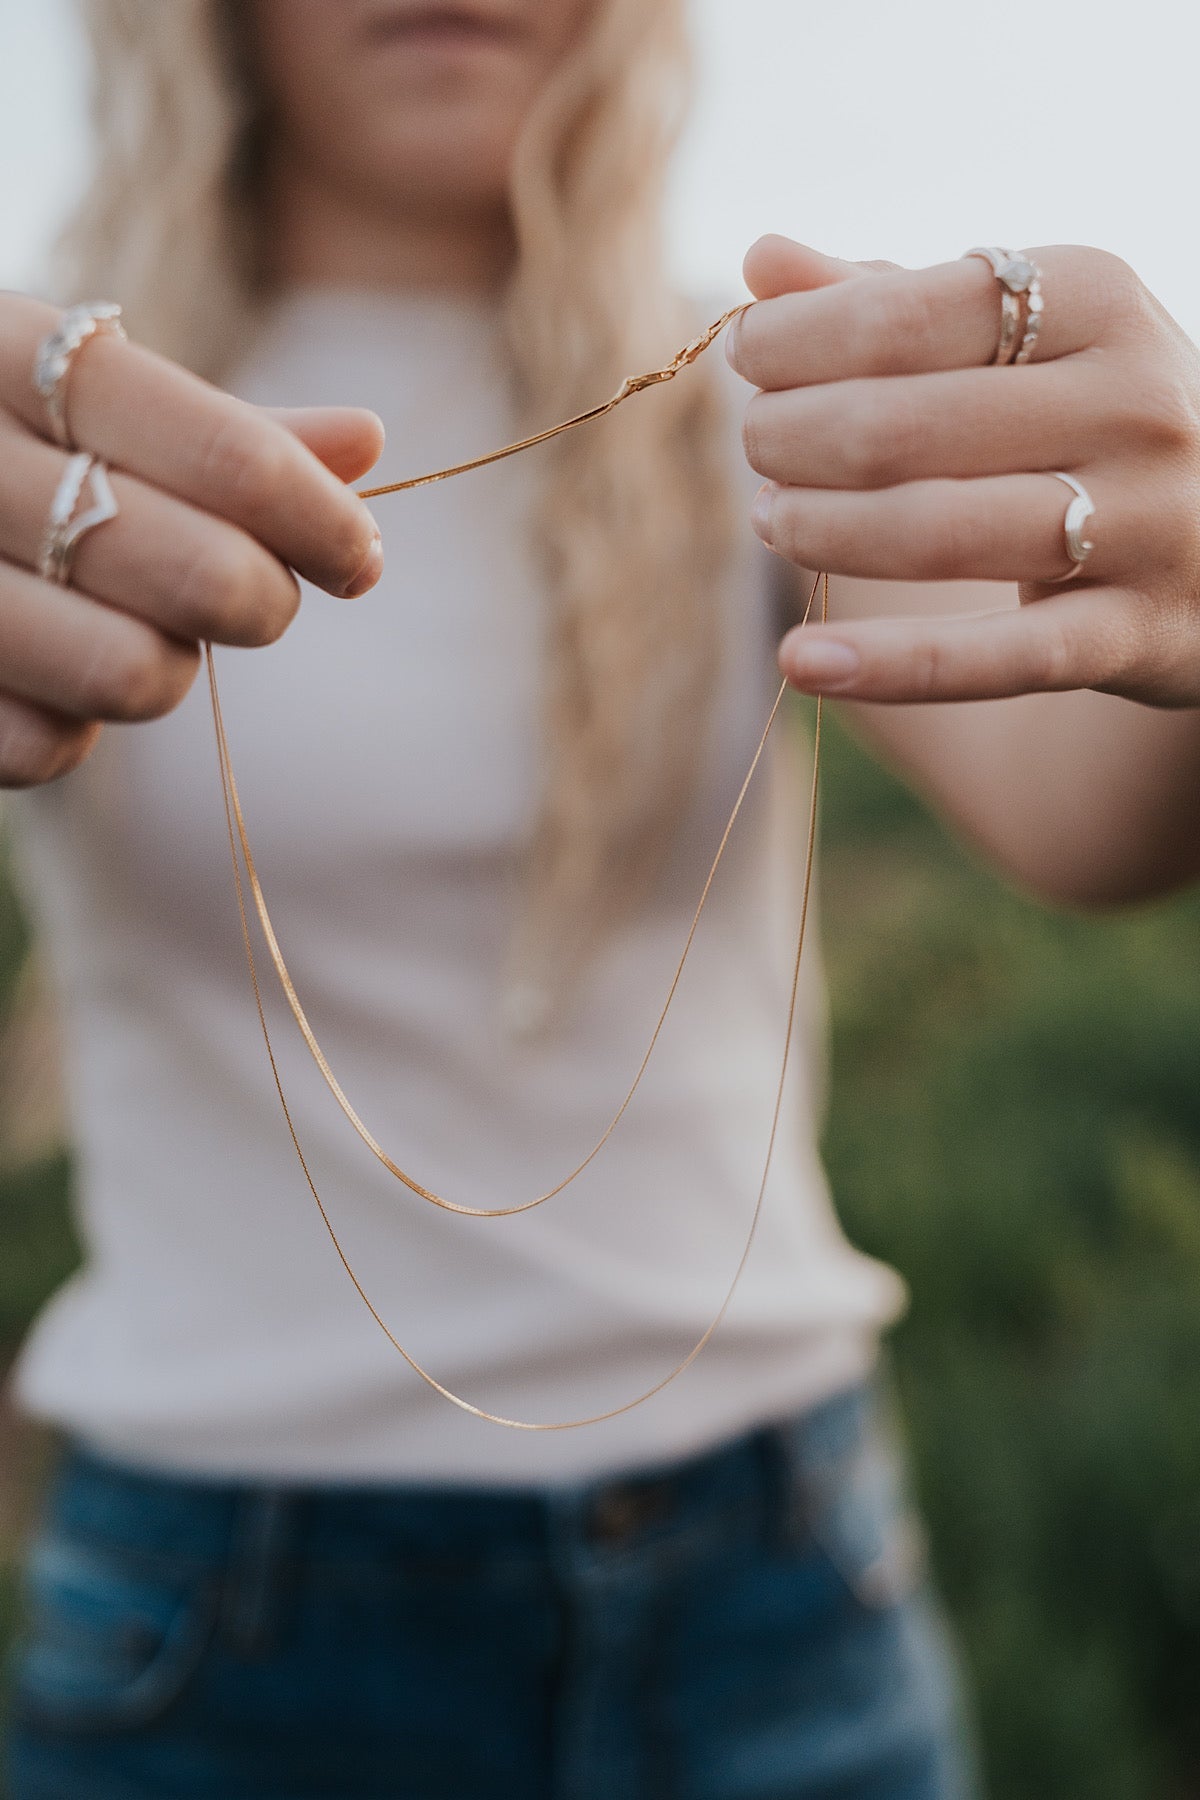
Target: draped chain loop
x,y
241,856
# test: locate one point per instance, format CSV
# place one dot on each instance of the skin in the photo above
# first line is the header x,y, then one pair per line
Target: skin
x,y
219,501
889,449
415,194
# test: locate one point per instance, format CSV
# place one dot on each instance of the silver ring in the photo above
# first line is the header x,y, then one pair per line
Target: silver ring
x,y
65,524
56,353
1010,307
1021,300
1035,305
1080,510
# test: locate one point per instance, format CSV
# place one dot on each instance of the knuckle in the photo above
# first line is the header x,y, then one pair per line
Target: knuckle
x,y
276,600
752,435
176,676
246,466
748,352
873,444
1112,272
1165,411
895,315
36,747
805,533
926,670
1154,648
134,675
74,748
951,541
350,535
122,681
1053,660
939,556
206,585
760,344
1116,287
230,595
789,537
30,752
1179,545
1170,657
857,447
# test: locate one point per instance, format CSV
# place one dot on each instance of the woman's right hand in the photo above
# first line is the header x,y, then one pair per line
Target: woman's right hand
x,y
219,502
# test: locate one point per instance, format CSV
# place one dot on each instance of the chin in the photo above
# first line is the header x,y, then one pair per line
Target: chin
x,y
463,166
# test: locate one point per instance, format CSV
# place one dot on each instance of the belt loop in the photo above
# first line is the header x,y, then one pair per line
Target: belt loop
x,y
251,1601
786,1522
805,1453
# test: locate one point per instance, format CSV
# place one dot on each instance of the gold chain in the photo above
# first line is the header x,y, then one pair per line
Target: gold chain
x,y
238,834
633,384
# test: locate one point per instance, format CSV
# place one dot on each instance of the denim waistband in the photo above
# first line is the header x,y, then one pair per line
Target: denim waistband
x,y
197,1519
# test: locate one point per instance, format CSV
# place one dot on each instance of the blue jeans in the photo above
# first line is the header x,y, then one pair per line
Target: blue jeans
x,y
752,1624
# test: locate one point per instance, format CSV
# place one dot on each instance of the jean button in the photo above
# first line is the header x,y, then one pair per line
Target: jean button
x,y
623,1509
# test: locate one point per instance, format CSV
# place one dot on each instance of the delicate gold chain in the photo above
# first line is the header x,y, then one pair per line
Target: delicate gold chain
x,y
633,384
319,1057
238,834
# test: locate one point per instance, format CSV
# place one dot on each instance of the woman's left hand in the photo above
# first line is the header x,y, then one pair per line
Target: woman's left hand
x,y
892,450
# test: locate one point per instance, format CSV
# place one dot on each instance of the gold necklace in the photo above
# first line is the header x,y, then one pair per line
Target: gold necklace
x,y
238,834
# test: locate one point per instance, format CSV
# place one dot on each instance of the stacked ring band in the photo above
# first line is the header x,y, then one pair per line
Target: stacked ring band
x,y
1021,299
65,524
1035,305
57,352
1010,313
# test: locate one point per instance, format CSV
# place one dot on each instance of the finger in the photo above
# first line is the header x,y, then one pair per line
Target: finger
x,y
347,439
1087,638
65,652
779,265
38,746
913,321
184,571
1004,528
152,419
874,434
907,322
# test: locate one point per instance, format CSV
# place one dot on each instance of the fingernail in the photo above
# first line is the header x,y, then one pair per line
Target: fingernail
x,y
760,512
820,664
370,572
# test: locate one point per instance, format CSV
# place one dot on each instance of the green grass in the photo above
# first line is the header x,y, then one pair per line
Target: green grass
x,y
1016,1125
37,1250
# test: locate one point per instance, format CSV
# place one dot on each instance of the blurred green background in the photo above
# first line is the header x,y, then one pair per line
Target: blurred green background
x,y
1017,1127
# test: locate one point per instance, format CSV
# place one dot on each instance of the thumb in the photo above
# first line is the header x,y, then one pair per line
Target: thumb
x,y
778,265
347,439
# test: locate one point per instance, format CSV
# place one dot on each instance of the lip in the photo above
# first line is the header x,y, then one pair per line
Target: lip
x,y
450,26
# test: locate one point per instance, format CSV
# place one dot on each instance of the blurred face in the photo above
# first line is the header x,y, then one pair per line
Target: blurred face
x,y
407,101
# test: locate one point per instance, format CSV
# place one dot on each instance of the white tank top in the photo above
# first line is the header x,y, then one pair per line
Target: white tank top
x,y
387,751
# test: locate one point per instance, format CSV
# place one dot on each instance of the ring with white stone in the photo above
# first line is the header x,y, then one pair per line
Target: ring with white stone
x,y
1080,510
1010,306
65,524
1021,302
56,353
1030,274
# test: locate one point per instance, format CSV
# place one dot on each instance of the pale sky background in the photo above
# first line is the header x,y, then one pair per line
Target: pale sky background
x,y
909,129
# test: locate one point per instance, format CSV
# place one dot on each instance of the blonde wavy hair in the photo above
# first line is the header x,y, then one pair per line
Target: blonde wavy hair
x,y
631,525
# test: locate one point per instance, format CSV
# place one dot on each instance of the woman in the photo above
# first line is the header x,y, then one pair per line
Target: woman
x,y
483,801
